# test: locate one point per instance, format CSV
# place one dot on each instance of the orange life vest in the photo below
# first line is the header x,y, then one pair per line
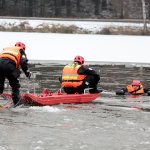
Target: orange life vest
x,y
12,53
131,90
70,77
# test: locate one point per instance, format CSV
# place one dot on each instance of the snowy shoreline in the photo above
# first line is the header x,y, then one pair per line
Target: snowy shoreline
x,y
93,47
83,26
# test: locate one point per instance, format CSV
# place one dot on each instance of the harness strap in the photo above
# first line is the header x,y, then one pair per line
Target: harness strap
x,y
136,90
72,80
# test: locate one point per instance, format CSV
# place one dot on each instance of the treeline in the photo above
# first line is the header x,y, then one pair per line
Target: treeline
x,y
103,9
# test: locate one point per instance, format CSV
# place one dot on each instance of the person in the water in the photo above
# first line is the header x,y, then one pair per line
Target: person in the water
x,y
135,88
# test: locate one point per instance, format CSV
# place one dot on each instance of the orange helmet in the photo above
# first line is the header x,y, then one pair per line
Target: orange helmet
x,y
136,82
20,44
79,59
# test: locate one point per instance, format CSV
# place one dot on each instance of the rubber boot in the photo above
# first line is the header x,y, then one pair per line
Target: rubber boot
x,y
1,89
15,97
94,90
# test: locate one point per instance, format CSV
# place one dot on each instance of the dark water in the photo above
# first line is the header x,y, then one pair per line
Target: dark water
x,y
113,75
109,123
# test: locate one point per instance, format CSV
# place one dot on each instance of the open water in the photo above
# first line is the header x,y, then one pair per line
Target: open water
x,y
110,122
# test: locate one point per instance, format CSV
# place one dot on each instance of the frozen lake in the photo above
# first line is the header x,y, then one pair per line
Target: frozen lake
x,y
109,123
107,48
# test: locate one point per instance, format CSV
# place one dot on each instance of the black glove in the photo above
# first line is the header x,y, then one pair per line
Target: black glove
x,y
28,74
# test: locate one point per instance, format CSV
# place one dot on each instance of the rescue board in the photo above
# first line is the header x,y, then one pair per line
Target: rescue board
x,y
46,98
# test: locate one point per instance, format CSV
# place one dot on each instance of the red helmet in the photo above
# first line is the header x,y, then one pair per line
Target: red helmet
x,y
20,44
79,59
136,82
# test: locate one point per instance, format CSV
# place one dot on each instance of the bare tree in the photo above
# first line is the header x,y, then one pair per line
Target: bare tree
x,y
144,15
68,8
30,11
2,4
97,6
42,8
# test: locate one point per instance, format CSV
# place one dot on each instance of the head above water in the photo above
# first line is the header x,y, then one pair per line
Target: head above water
x,y
20,44
136,83
79,59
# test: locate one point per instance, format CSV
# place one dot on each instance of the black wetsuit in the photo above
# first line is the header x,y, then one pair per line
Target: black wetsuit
x,y
8,70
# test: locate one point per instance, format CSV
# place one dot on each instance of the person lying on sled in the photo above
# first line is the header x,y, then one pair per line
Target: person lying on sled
x,y
77,76
135,88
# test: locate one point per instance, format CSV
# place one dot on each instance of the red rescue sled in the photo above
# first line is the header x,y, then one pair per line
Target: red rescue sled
x,y
46,98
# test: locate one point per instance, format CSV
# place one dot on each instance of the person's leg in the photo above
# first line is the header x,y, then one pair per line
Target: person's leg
x,y
13,74
69,90
14,83
92,81
81,88
2,79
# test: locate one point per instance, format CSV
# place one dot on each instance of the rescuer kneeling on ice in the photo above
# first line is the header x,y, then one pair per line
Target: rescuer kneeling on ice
x,y
77,76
